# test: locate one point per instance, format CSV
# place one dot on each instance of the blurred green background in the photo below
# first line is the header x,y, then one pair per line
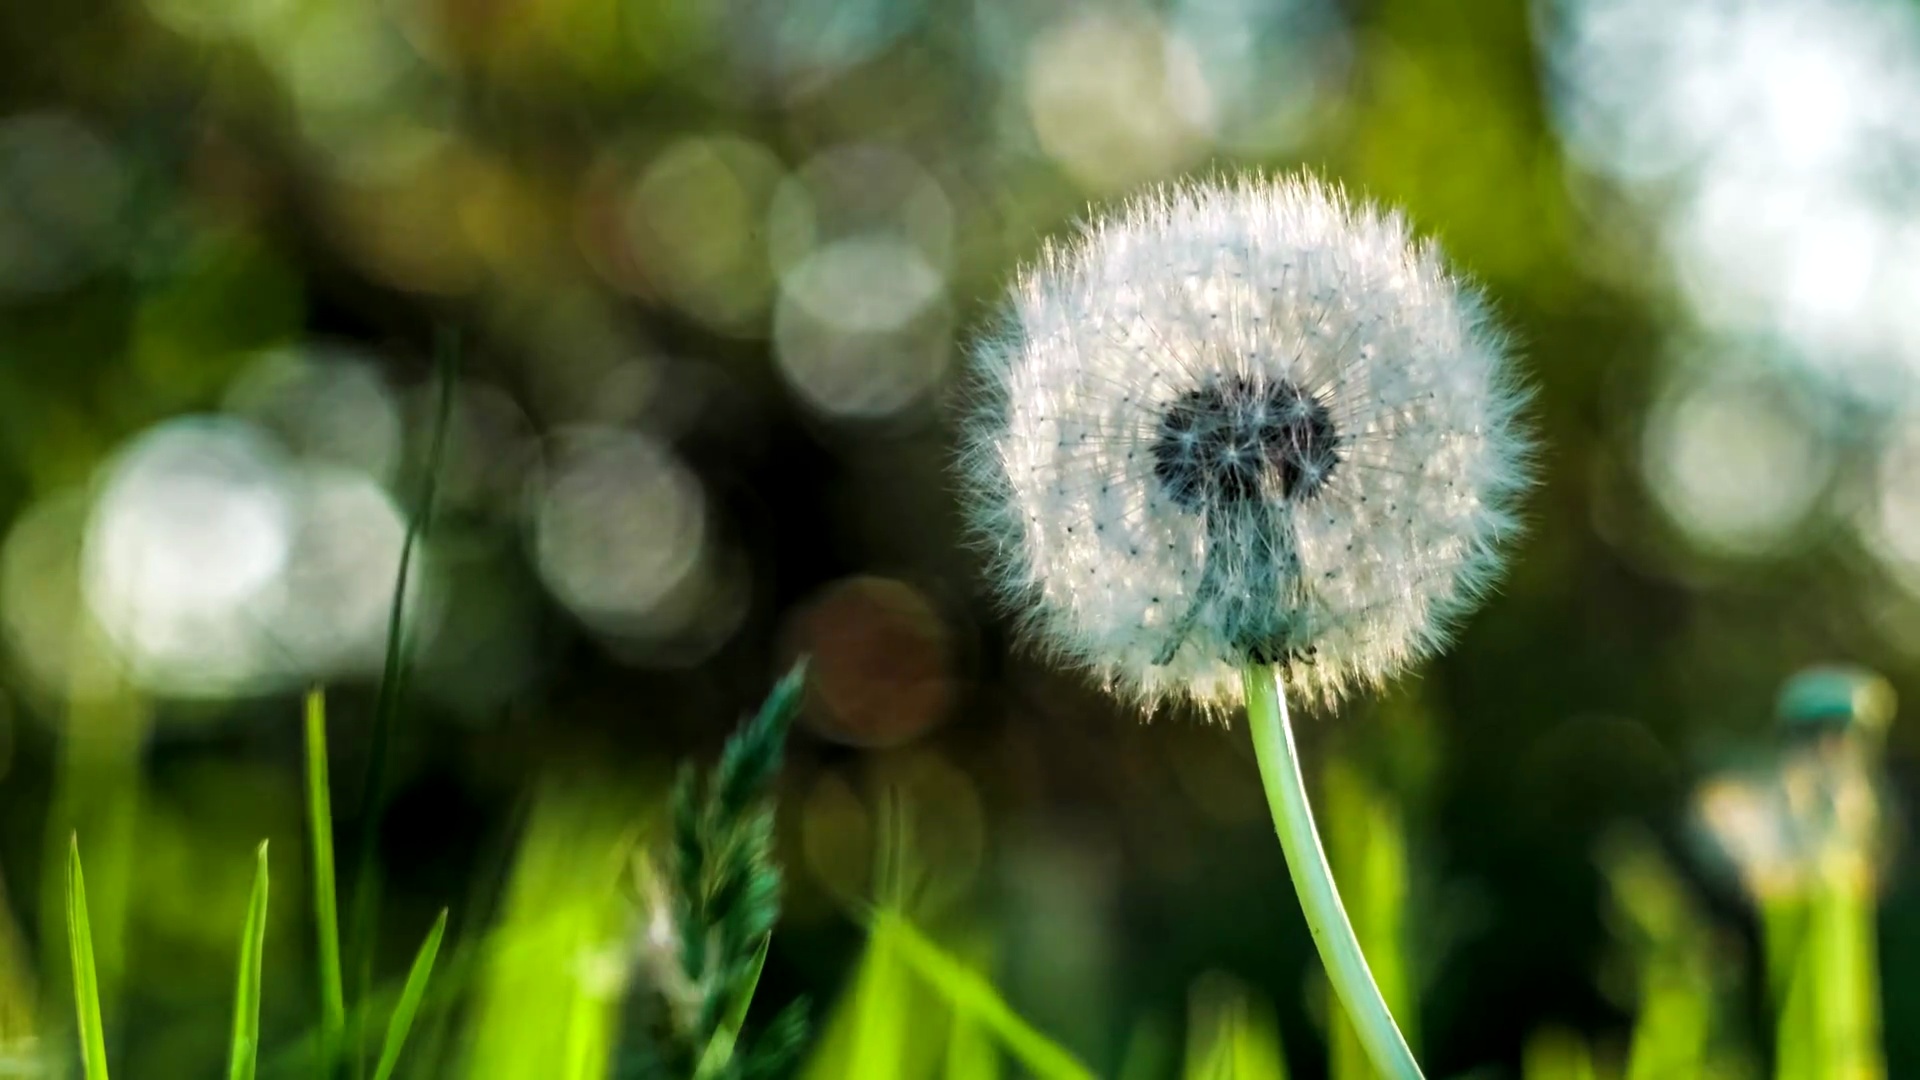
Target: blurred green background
x,y
713,265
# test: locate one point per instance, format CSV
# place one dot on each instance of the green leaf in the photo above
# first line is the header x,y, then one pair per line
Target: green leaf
x,y
410,995
86,982
720,1051
326,904
971,994
246,998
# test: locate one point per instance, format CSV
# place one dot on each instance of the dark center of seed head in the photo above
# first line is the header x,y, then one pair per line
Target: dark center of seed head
x,y
1237,440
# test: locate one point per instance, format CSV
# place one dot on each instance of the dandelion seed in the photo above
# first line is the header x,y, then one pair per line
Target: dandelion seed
x,y
1244,421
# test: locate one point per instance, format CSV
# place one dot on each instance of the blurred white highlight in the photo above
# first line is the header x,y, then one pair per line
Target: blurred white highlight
x,y
696,218
1118,98
1890,525
621,537
862,327
1779,141
334,597
193,524
325,404
1731,464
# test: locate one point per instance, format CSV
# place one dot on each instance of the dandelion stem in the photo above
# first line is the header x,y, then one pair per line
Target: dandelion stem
x,y
1313,879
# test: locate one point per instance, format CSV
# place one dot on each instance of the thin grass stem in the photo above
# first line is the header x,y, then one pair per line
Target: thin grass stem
x,y
970,993
243,1057
326,904
410,997
393,687
86,981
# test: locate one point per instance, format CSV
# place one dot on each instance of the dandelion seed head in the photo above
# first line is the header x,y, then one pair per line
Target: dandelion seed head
x,y
1816,815
1243,420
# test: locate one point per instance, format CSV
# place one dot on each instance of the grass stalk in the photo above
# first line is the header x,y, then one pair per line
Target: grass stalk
x,y
410,998
970,993
86,979
244,1055
1785,924
1231,1036
1326,917
393,685
326,904
719,1052
1848,1008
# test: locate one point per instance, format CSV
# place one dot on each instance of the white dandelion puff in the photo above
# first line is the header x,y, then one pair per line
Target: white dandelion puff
x,y
1244,422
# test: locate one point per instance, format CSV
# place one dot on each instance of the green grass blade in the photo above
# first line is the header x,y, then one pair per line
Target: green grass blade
x,y
393,679
246,998
1786,924
86,983
486,890
326,903
409,1006
1231,1034
533,1016
881,1028
286,1058
969,993
971,1055
720,1051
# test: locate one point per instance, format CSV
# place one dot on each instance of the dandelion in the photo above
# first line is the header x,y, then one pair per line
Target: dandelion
x,y
1244,420
1813,816
1807,835
1243,433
